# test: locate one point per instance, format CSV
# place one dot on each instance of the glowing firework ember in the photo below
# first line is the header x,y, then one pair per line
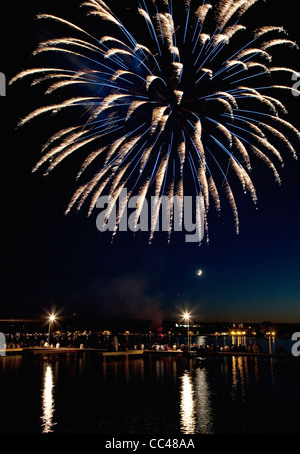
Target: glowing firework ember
x,y
183,105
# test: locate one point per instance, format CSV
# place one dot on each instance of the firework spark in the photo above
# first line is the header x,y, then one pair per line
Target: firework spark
x,y
194,102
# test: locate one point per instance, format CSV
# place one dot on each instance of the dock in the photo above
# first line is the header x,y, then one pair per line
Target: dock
x,y
51,352
35,351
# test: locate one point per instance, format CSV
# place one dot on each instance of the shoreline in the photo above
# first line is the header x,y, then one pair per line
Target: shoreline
x,y
44,351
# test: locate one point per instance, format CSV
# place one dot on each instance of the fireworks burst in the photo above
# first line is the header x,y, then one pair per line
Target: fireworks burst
x,y
184,104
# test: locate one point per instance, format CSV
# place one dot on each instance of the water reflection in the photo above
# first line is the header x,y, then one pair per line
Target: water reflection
x,y
233,382
203,402
272,344
223,394
187,404
48,400
240,377
195,402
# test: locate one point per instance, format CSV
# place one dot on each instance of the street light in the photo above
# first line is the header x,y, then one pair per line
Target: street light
x,y
186,317
51,320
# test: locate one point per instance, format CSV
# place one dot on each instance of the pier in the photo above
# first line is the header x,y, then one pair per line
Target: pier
x,y
46,351
37,351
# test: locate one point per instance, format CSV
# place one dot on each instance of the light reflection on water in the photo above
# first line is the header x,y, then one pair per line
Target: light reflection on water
x,y
197,412
187,404
48,406
156,394
203,402
195,403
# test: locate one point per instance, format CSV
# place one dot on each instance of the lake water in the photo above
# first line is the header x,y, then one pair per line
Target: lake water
x,y
151,395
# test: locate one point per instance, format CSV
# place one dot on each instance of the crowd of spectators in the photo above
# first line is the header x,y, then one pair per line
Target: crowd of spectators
x,y
121,343
213,349
27,340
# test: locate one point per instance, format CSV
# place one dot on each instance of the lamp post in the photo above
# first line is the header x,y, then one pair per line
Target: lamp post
x,y
186,317
51,320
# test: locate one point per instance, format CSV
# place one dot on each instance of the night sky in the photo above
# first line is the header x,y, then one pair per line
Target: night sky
x,y
52,259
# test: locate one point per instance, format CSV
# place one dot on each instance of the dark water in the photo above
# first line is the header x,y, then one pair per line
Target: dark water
x,y
89,395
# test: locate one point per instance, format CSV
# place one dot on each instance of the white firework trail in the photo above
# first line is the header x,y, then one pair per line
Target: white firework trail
x,y
182,104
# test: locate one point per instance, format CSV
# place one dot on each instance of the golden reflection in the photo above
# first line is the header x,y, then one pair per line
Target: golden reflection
x,y
240,376
174,370
256,371
48,400
272,344
234,377
241,370
187,405
160,369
